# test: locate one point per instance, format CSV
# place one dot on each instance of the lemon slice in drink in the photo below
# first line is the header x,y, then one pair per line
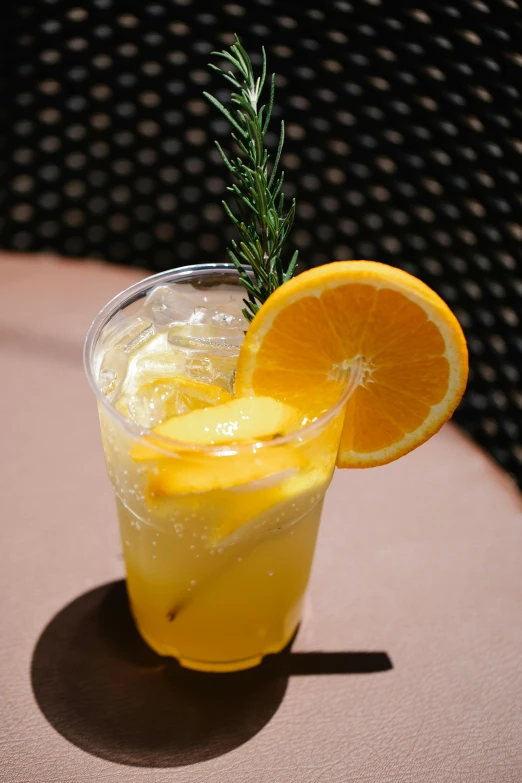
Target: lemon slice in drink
x,y
239,421
190,475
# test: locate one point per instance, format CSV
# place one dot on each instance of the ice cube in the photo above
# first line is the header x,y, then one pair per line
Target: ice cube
x,y
141,333
151,404
117,349
120,324
157,366
222,317
200,316
210,352
218,368
200,338
206,358
113,370
166,305
129,335
230,317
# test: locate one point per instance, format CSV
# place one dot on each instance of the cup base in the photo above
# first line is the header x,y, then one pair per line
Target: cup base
x,y
222,666
215,666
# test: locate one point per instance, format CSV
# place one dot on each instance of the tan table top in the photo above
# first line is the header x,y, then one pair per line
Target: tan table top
x,y
407,668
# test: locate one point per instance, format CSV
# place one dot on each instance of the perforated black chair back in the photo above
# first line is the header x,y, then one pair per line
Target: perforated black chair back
x,y
403,144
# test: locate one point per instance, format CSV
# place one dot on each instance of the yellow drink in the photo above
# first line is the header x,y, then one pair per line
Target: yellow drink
x,y
218,540
217,608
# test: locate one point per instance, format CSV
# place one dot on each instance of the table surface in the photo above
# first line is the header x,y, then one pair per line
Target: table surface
x,y
407,667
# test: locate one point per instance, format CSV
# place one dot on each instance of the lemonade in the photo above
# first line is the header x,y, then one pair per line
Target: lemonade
x,y
221,440
228,393
218,499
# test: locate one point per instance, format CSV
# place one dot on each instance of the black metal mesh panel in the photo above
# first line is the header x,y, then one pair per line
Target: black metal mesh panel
x,y
403,144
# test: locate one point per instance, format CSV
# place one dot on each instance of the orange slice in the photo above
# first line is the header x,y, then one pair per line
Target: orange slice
x,y
303,341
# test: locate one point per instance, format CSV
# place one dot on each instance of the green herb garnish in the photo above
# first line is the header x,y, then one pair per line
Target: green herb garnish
x,y
260,221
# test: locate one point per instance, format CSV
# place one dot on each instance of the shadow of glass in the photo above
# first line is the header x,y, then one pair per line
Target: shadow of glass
x,y
104,690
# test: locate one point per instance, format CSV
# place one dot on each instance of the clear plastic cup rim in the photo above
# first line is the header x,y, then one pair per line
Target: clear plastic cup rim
x,y
171,447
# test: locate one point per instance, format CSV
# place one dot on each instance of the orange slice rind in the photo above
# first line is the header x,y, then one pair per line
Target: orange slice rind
x,y
305,339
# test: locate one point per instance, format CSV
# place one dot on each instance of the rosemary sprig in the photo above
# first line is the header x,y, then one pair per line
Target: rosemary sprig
x,y
260,220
